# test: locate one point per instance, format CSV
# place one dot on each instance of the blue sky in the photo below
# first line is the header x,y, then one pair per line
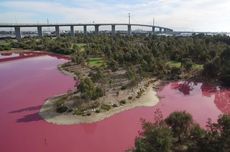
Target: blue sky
x,y
195,15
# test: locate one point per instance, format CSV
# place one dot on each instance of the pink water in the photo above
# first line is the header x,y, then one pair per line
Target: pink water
x,y
26,83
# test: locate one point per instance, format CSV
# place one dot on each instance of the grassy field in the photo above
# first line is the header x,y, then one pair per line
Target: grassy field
x,y
96,62
175,64
197,66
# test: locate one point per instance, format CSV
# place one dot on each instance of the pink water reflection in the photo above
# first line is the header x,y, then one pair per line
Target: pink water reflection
x,y
26,83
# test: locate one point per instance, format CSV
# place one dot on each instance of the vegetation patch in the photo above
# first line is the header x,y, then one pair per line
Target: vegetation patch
x,y
115,105
96,62
105,107
140,93
5,45
79,47
178,65
122,102
61,109
179,133
78,112
198,67
174,64
97,111
60,104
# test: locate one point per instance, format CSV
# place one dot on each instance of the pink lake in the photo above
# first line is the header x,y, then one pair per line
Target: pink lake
x,y
25,83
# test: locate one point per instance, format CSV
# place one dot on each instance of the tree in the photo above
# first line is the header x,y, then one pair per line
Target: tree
x,y
161,135
224,130
211,68
154,139
186,64
225,67
113,65
89,90
219,67
181,123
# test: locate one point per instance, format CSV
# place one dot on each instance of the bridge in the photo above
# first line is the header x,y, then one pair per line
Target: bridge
x,y
17,28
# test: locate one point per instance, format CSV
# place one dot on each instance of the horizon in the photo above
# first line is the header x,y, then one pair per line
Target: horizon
x,y
208,15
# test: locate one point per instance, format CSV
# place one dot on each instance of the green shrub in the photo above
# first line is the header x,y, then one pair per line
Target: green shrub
x,y
61,109
59,103
105,107
88,113
187,63
123,87
98,111
78,112
114,105
139,93
89,90
122,102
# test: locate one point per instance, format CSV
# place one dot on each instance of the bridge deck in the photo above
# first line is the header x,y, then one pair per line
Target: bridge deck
x,y
71,24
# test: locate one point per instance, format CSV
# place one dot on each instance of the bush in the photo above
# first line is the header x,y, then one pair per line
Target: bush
x,y
61,109
88,114
5,47
174,73
98,92
211,68
113,65
89,90
97,75
122,102
115,105
187,64
123,87
105,107
139,93
59,102
98,111
78,112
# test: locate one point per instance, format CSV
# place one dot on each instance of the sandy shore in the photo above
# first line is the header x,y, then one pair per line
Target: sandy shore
x,y
48,113
148,99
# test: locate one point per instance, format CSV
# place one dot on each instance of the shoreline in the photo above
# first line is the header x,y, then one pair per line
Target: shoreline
x,y
48,110
49,114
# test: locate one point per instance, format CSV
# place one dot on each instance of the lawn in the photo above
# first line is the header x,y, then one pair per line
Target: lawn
x,y
198,66
175,64
96,62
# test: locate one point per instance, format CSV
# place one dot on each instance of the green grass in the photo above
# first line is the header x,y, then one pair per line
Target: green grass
x,y
174,64
81,44
198,67
96,62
